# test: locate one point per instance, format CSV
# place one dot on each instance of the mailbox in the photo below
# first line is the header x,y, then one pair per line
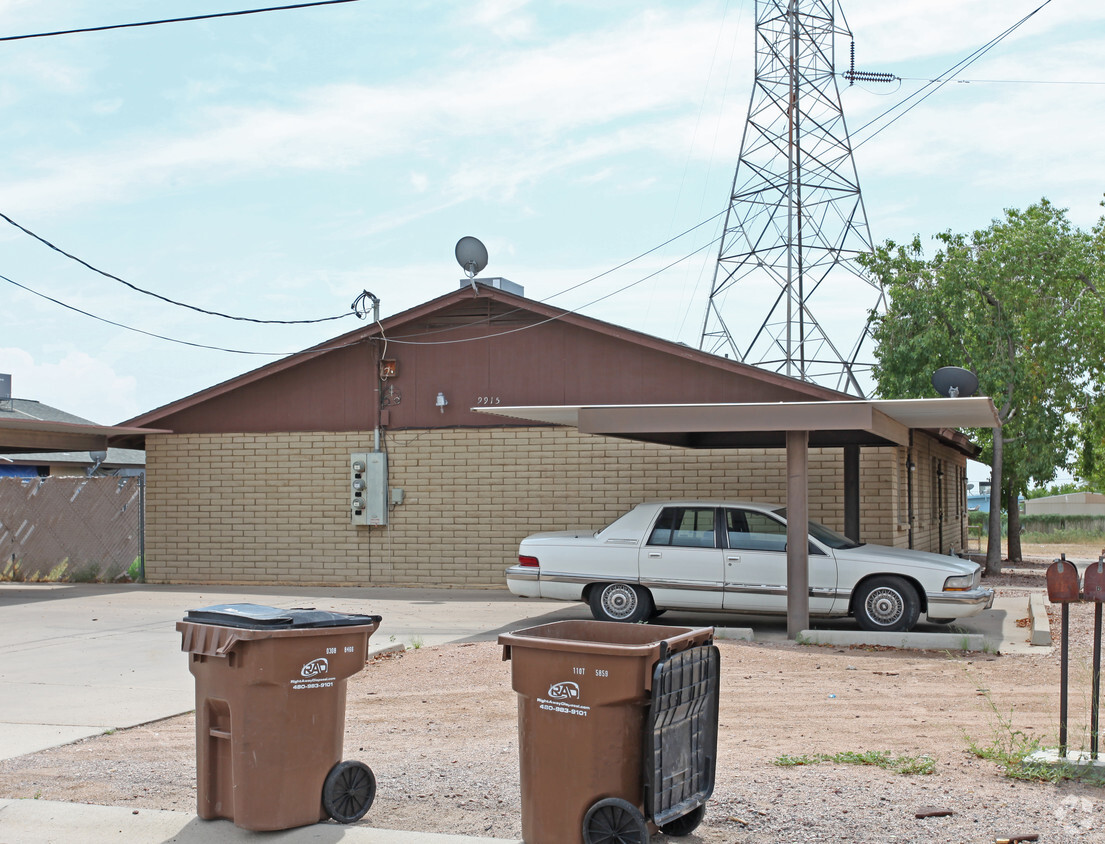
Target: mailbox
x,y
1093,582
1062,582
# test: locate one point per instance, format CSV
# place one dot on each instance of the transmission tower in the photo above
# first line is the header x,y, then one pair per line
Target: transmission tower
x,y
796,219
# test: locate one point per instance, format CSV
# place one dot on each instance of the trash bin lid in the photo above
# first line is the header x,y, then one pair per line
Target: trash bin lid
x,y
258,617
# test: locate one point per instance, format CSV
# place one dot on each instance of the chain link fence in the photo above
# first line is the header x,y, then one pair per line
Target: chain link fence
x,y
70,529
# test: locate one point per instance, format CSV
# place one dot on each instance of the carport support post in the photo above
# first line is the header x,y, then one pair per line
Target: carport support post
x,y
798,514
851,492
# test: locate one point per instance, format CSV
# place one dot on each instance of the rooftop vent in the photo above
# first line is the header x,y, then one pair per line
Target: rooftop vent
x,y
504,284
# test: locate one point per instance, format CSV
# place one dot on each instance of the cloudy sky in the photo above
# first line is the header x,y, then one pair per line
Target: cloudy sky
x,y
276,165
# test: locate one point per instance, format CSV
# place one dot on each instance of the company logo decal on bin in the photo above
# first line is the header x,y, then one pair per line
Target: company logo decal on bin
x,y
564,691
312,674
314,668
558,701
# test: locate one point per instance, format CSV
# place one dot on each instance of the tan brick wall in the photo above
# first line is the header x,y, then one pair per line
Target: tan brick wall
x,y
273,508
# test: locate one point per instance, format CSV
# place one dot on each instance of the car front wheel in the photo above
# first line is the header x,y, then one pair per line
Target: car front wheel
x,y
887,604
620,602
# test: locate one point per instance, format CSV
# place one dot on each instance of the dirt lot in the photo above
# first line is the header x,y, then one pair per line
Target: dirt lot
x,y
438,726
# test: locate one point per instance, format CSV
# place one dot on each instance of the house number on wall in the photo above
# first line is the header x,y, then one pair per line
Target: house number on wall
x,y
488,400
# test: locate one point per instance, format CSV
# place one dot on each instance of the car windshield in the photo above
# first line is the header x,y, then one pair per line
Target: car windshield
x,y
824,535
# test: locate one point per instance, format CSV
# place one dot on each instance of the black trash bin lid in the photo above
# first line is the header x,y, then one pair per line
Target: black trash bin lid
x,y
258,617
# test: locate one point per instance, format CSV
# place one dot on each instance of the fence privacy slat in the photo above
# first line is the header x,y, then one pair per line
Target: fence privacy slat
x,y
76,529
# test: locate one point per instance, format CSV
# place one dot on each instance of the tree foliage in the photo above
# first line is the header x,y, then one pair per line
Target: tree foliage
x,y
1018,304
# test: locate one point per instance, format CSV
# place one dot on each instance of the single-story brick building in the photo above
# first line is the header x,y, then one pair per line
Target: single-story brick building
x,y
255,481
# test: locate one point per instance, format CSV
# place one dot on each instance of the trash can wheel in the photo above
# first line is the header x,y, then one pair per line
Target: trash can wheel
x,y
348,791
614,821
685,824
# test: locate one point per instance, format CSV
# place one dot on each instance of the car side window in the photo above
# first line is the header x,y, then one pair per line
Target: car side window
x,y
686,527
750,530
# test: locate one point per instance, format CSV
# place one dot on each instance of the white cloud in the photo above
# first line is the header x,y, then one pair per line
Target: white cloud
x,y
524,100
503,18
74,382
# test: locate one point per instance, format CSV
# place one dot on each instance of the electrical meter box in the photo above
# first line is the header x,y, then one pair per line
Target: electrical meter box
x,y
368,488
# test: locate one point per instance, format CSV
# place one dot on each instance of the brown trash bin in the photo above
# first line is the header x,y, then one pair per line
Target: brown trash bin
x,y
601,747
270,714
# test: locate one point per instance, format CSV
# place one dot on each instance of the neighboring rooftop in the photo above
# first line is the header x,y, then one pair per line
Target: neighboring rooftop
x,y
21,435
36,410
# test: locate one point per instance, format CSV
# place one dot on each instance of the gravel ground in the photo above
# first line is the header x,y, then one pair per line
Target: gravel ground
x,y
439,727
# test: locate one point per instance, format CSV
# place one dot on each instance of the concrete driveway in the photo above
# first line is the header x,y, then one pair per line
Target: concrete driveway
x,y
80,659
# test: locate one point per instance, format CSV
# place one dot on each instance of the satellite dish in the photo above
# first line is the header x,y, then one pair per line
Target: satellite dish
x,y
954,382
471,255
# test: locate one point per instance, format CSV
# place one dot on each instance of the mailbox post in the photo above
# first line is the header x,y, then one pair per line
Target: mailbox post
x,y
1093,589
1062,588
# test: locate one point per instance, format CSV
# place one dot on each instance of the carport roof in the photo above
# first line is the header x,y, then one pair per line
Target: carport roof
x,y
737,425
19,436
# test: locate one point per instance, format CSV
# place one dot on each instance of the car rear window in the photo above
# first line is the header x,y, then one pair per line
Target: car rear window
x,y
686,527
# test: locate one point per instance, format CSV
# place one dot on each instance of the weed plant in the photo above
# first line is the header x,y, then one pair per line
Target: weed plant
x,y
1013,749
907,765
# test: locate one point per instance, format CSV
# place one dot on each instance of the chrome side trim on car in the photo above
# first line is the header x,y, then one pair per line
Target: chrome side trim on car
x,y
564,577
686,585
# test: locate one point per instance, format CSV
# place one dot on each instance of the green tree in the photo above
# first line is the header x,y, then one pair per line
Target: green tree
x,y
1017,304
1090,465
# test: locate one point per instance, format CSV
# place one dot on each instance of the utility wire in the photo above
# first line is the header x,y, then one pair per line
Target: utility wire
x,y
131,327
944,79
566,313
135,287
360,340
1005,81
593,278
174,20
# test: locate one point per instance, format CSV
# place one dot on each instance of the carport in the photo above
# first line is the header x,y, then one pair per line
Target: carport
x,y
21,436
795,426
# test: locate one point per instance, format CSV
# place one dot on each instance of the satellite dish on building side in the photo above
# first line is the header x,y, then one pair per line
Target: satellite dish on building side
x,y
955,382
471,255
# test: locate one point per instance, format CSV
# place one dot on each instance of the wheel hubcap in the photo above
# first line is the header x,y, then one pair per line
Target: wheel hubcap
x,y
885,606
619,601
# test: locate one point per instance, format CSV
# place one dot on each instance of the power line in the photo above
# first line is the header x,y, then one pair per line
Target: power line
x,y
390,339
174,20
558,316
132,328
944,79
1005,81
594,278
138,289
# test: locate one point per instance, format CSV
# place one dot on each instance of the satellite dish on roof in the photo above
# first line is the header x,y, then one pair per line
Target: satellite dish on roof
x,y
471,255
954,382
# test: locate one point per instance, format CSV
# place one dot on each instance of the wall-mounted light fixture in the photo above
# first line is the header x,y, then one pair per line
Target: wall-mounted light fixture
x,y
441,401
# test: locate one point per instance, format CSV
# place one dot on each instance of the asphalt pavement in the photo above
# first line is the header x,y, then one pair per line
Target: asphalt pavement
x,y
77,660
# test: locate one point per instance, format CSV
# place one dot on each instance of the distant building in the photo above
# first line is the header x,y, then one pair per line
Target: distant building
x,y
1071,504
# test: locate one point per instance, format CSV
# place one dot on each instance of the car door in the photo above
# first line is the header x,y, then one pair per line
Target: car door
x,y
681,560
756,565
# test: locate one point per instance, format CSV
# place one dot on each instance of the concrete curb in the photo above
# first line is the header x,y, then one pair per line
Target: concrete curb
x,y
735,634
915,641
1037,613
50,822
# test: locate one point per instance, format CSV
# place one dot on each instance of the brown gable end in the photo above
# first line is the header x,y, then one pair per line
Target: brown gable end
x,y
475,350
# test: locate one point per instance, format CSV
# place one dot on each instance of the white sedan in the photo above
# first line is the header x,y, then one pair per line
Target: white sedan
x,y
731,556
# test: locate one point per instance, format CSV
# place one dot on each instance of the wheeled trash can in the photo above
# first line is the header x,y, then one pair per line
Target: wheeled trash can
x,y
270,714
617,727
